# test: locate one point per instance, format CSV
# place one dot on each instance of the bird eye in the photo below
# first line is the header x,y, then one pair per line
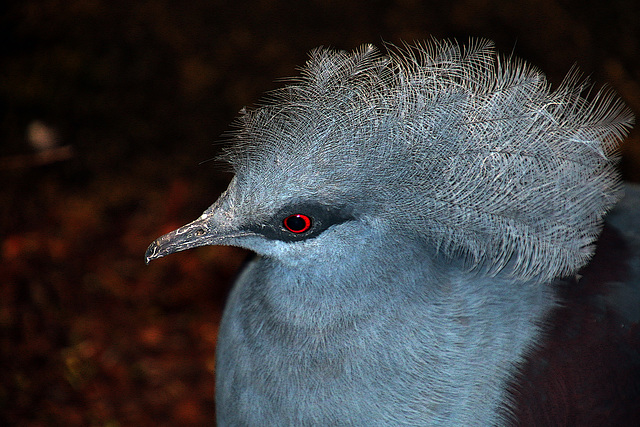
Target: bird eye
x,y
297,223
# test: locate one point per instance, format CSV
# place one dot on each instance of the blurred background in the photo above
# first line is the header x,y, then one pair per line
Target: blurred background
x,y
109,113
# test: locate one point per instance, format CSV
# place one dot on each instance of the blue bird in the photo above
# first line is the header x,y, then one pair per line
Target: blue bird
x,y
414,215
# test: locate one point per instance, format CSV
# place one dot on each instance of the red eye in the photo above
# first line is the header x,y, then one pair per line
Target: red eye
x,y
297,223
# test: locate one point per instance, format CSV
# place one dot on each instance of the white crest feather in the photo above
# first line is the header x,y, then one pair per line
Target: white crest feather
x,y
471,152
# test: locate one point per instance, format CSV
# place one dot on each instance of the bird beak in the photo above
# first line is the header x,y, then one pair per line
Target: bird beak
x,y
218,225
206,230
188,236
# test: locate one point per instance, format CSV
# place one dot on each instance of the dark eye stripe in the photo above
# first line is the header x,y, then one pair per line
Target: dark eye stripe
x,y
288,224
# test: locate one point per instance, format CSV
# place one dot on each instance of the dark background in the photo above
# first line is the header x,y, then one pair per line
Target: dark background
x,y
140,91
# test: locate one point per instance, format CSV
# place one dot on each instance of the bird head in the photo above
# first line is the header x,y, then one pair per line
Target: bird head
x,y
432,146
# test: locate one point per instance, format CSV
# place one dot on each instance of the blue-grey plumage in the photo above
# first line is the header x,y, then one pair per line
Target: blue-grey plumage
x,y
409,212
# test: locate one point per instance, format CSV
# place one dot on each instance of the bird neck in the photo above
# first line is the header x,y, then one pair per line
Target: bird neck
x,y
454,341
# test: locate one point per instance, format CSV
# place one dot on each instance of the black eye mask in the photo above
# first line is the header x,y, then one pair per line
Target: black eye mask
x,y
301,221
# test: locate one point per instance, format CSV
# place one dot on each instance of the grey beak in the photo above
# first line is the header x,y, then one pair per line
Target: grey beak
x,y
218,225
189,236
201,232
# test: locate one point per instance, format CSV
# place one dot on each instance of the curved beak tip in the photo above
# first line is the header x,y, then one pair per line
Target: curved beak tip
x,y
151,253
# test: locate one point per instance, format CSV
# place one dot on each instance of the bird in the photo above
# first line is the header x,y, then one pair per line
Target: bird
x,y
416,214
